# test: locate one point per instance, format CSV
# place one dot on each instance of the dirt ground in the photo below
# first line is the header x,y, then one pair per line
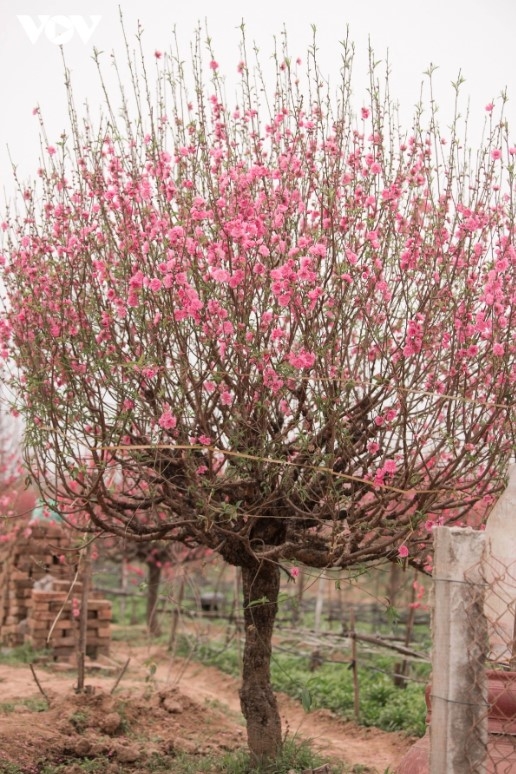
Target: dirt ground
x,y
160,708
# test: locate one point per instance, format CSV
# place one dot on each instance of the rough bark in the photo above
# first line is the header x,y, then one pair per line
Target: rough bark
x,y
260,585
154,577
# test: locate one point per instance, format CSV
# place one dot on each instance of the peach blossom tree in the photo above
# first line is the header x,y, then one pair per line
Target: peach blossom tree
x,y
282,329
16,502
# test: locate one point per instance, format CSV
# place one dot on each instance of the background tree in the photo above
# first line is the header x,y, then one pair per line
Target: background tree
x,y
280,330
16,499
160,559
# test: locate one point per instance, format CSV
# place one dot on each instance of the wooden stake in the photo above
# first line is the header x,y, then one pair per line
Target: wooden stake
x,y
176,612
401,668
124,587
319,603
83,617
354,666
298,596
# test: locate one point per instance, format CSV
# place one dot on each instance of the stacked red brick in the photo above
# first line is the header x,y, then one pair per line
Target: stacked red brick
x,y
40,555
27,557
54,622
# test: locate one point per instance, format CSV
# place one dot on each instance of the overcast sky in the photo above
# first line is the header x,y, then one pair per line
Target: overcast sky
x,y
474,36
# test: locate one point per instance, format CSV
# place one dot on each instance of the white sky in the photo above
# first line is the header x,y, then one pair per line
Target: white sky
x,y
474,36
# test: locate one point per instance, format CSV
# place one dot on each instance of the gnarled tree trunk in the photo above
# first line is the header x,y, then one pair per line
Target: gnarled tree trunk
x,y
260,583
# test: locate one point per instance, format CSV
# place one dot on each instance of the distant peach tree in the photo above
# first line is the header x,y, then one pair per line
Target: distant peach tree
x,y
282,329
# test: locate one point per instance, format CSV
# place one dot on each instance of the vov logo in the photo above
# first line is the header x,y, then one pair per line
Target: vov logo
x,y
59,29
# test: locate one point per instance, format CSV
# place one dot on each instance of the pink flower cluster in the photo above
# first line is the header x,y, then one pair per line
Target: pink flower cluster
x,y
388,469
167,420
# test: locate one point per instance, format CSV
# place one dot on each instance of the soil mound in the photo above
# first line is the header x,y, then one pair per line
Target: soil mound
x,y
130,733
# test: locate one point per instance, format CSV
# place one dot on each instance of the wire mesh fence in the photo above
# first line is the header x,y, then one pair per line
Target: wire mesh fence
x,y
496,678
473,693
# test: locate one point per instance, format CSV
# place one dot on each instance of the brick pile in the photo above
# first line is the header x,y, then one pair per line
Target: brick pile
x,y
39,600
54,623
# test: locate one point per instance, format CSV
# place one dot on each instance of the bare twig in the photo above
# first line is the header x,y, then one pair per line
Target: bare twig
x,y
309,637
122,673
41,689
398,648
69,594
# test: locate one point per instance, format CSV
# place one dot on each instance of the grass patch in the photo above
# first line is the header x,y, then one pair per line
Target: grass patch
x,y
135,635
86,765
32,705
79,721
295,754
382,704
20,654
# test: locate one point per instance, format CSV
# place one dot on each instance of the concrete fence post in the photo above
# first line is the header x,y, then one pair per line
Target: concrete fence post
x,y
458,731
500,602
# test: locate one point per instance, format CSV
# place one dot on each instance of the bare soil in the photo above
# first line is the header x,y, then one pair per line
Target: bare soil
x,y
160,708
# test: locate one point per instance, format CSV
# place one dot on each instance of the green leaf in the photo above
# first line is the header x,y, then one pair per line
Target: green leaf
x,y
306,699
152,671
393,615
260,601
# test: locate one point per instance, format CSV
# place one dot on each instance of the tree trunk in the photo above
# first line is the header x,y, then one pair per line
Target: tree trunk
x,y
260,585
154,577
